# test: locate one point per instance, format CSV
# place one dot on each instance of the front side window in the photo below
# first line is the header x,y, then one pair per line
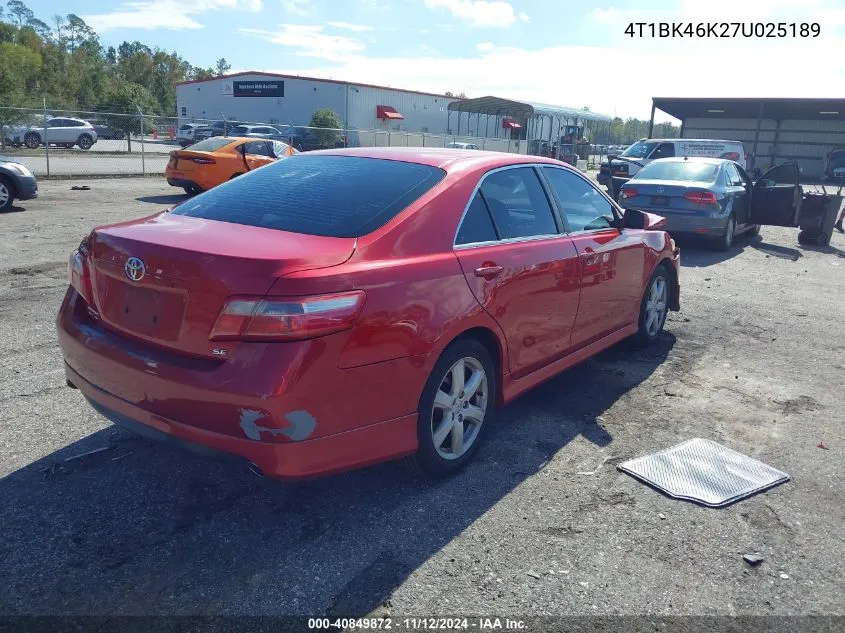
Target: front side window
x,y
664,150
584,207
518,204
640,149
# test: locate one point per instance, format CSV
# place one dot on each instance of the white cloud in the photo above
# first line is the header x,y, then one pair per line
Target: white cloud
x,y
173,15
493,13
295,7
357,28
484,46
523,17
310,40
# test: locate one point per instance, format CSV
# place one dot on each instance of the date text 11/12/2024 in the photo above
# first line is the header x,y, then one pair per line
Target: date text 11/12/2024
x,y
723,29
417,624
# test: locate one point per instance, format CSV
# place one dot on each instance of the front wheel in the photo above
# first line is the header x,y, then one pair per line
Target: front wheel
x,y
6,195
455,404
653,307
32,140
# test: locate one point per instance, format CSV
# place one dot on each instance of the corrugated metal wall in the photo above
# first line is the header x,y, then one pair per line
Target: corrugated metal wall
x,y
803,141
356,106
423,113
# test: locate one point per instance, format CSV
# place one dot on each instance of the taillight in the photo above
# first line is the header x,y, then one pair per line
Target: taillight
x,y
629,193
204,161
701,197
287,318
77,272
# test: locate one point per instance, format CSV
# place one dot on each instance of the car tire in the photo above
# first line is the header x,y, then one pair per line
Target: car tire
x,y
32,140
726,241
192,190
84,141
443,406
7,194
656,293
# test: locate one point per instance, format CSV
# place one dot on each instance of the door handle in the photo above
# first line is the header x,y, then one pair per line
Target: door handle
x,y
488,271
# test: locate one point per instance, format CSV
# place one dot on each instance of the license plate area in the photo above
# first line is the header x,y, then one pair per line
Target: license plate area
x,y
660,201
151,312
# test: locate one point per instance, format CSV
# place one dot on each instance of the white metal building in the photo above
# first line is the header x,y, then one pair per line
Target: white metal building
x,y
290,100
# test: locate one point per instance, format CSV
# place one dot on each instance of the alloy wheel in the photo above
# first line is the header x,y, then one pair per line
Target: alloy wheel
x,y
5,195
460,406
655,308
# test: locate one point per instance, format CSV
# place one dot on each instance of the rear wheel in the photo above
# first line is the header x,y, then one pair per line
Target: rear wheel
x,y
32,140
455,404
7,192
727,240
653,307
192,190
84,141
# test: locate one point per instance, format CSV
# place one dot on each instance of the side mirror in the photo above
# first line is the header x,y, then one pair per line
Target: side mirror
x,y
636,219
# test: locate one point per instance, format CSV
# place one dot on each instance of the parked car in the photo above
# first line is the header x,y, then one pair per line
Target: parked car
x,y
709,197
259,131
648,149
108,133
834,166
349,306
185,135
62,132
13,134
305,140
215,160
462,146
216,128
16,182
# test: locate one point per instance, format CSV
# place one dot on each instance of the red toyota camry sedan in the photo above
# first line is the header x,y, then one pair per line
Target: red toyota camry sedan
x,y
349,306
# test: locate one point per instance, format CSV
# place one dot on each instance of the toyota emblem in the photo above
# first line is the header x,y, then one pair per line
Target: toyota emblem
x,y
659,190
134,269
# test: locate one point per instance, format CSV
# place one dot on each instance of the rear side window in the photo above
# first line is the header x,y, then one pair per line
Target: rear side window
x,y
477,226
241,129
331,196
210,144
256,148
518,204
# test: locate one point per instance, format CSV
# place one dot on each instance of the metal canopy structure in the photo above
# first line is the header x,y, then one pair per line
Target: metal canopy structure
x,y
496,106
543,126
741,108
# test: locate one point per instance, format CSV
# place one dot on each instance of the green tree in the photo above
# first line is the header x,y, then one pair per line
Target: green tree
x,y
223,66
20,13
123,102
329,126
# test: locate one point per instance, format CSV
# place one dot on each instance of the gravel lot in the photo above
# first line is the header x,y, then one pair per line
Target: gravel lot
x,y
540,523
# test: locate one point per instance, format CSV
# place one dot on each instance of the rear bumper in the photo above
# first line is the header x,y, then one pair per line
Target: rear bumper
x,y
310,458
181,182
287,407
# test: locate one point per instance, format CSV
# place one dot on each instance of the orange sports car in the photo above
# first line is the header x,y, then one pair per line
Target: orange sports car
x,y
215,160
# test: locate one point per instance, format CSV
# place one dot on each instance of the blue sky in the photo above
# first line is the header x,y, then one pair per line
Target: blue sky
x,y
555,51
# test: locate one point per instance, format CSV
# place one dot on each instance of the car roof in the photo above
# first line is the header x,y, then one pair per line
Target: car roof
x,y
444,158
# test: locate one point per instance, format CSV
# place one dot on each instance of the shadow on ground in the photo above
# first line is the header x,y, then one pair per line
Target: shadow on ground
x,y
141,528
699,252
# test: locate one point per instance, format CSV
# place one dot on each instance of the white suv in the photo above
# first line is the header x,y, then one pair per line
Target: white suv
x,y
63,132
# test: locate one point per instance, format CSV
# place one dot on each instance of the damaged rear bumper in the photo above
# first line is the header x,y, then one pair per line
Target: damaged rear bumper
x,y
309,458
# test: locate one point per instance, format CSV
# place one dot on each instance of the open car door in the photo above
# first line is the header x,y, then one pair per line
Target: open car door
x,y
776,197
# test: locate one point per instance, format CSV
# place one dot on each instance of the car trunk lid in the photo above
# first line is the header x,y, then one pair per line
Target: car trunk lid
x,y
165,278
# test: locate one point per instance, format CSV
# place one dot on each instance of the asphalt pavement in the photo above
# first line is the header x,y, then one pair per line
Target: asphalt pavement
x,y
97,521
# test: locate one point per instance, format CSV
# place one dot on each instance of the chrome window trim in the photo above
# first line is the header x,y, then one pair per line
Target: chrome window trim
x,y
532,167
510,240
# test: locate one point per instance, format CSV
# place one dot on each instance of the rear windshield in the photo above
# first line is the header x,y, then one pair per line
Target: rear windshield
x,y
210,144
332,196
686,170
639,150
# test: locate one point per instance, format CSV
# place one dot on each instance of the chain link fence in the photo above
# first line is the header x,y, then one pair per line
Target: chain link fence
x,y
56,143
